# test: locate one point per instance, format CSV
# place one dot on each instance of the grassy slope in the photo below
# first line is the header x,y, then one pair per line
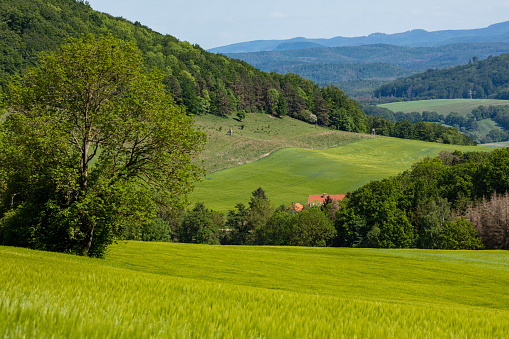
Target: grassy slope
x,y
291,175
443,106
177,290
259,135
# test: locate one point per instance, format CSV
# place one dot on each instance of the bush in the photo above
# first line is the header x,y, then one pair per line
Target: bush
x,y
460,235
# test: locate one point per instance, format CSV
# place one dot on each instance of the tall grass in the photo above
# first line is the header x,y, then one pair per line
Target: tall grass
x,y
56,295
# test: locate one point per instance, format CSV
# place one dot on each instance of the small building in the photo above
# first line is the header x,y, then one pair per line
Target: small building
x,y
318,200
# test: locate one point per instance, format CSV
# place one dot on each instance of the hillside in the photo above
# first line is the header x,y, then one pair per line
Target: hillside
x,y
463,107
380,61
204,82
484,120
487,78
291,175
259,135
414,38
181,290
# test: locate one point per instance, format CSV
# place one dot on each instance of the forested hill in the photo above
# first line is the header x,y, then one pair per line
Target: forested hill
x,y
204,82
487,78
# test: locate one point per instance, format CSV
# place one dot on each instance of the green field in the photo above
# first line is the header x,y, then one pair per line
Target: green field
x,y
443,106
291,175
260,135
179,290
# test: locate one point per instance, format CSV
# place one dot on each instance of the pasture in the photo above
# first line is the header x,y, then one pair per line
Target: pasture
x,y
443,106
291,174
182,290
259,135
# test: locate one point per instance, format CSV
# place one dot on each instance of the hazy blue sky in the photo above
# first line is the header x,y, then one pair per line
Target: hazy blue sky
x,y
213,23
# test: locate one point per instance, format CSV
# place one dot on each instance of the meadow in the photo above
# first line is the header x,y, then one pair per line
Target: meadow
x,y
259,135
443,106
291,175
181,290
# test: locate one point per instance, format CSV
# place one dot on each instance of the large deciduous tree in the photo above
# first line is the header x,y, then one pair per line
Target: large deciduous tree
x,y
93,142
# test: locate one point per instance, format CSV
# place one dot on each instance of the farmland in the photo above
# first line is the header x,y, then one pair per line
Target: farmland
x,y
291,175
443,106
177,290
259,135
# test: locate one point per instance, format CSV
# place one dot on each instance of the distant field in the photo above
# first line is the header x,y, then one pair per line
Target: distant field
x,y
259,135
443,106
497,144
291,175
169,290
486,125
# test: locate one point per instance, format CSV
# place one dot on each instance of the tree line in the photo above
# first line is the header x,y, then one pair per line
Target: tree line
x,y
425,126
205,83
478,79
453,201
467,124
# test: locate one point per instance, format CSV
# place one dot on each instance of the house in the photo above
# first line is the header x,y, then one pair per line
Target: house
x,y
317,200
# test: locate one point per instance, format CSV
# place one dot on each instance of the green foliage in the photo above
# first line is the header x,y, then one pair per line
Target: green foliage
x,y
241,115
237,226
311,228
156,230
460,235
327,66
260,210
484,79
204,82
200,226
484,120
95,144
378,205
291,175
425,201
276,231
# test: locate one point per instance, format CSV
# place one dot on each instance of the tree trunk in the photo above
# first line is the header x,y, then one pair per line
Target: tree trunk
x,y
87,242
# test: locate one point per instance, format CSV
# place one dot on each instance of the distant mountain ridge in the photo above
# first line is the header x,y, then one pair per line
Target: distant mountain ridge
x,y
414,38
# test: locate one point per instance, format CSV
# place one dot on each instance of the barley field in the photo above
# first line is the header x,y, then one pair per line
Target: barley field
x,y
166,290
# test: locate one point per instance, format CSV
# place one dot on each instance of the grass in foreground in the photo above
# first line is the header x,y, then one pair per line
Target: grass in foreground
x,y
443,106
259,135
177,290
291,175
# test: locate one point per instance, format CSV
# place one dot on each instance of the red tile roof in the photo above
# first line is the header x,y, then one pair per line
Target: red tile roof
x,y
321,197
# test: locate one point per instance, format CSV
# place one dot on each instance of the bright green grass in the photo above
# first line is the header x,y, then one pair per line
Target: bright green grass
x,y
291,175
260,136
486,125
177,290
443,106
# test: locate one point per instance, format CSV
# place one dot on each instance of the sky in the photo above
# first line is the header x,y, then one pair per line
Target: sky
x,y
214,23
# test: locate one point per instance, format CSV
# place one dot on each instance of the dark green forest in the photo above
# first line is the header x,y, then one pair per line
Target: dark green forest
x,y
368,62
202,81
478,79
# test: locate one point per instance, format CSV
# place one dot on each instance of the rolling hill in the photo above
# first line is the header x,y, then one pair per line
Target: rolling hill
x,y
181,290
443,106
204,82
291,174
479,79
